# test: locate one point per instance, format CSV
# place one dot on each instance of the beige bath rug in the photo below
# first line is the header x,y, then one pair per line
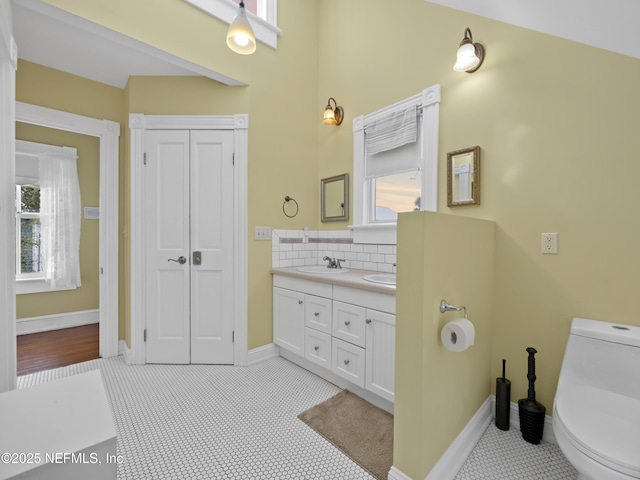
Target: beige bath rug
x,y
361,430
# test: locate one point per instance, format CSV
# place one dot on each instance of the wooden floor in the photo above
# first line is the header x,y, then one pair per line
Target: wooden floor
x,y
57,348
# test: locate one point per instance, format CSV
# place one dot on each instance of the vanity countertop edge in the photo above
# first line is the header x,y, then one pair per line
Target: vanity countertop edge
x,y
352,278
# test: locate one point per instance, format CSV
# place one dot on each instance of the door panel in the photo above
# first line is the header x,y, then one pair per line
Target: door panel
x,y
188,198
167,231
211,227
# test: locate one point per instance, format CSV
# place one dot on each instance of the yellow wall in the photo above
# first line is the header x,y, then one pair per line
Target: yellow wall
x,y
86,297
438,391
555,121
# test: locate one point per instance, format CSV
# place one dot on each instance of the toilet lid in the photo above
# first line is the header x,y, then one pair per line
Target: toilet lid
x,y
603,425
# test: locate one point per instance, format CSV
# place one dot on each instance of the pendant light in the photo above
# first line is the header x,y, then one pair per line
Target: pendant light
x,y
240,37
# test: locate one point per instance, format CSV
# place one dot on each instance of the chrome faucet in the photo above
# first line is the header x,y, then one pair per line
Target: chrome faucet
x,y
332,262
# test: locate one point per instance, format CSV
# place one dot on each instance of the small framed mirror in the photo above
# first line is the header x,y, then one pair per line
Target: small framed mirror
x,y
463,177
334,198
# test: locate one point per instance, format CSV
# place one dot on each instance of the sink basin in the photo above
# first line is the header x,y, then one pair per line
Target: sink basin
x,y
321,269
386,278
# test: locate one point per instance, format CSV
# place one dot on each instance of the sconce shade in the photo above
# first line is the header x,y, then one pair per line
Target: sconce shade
x,y
332,116
470,55
240,37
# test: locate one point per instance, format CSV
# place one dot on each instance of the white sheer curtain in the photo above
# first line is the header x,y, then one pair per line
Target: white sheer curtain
x,y
60,214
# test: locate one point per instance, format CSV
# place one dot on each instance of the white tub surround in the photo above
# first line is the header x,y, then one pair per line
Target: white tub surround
x,y
62,429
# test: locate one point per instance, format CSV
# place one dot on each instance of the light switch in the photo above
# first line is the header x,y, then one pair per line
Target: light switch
x,y
262,233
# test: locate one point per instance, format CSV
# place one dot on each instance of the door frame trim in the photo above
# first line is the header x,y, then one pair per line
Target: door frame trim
x,y
108,132
138,124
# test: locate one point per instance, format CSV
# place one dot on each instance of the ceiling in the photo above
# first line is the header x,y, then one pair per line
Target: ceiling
x,y
606,24
52,37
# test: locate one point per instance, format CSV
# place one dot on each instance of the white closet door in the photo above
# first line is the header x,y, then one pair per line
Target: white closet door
x,y
167,292
211,236
189,208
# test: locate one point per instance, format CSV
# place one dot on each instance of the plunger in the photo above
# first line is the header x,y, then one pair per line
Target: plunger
x,y
531,412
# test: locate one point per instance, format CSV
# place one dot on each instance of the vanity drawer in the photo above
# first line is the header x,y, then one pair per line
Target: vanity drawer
x,y
348,361
317,347
317,313
349,323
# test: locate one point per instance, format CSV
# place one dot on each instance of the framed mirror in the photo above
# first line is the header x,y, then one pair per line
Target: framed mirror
x,y
463,177
334,198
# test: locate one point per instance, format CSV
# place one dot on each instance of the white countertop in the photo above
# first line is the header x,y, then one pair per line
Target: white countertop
x,y
352,278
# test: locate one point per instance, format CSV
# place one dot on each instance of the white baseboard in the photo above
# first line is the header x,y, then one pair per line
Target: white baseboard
x,y
55,322
260,354
125,351
395,474
457,453
454,457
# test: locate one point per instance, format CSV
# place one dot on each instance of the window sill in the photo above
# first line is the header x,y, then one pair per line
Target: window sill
x,y
25,286
380,233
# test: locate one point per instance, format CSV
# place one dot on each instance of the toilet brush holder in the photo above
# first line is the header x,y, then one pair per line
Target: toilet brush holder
x,y
532,413
503,400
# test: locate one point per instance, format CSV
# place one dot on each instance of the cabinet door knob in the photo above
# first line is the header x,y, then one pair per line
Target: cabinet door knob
x,y
317,314
316,348
346,362
368,321
347,322
300,302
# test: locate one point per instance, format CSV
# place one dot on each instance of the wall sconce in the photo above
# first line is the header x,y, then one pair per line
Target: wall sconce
x,y
240,37
470,55
332,116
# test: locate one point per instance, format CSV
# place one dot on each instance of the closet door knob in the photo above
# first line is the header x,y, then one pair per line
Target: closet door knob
x,y
347,322
368,321
346,362
317,314
181,260
316,348
300,302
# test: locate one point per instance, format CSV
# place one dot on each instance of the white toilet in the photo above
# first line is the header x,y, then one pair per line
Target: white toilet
x,y
596,412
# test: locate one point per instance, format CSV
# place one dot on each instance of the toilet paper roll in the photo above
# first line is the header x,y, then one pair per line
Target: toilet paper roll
x,y
458,335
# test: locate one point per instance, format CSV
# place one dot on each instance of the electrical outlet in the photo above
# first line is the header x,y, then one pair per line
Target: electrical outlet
x,y
549,243
262,233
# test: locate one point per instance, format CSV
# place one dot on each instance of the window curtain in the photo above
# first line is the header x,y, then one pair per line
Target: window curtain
x,y
60,214
393,131
396,144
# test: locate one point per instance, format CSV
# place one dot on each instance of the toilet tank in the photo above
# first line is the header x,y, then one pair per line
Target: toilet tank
x,y
603,355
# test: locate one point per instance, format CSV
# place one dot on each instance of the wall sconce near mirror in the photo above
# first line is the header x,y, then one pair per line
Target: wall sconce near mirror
x,y
470,55
240,37
332,115
334,198
463,177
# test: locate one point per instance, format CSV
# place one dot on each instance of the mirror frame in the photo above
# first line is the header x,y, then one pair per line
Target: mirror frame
x,y
475,189
323,185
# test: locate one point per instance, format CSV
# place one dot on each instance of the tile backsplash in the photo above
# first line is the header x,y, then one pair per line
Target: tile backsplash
x,y
294,248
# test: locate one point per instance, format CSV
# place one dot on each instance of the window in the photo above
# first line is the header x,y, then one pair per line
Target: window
x,y
28,255
47,213
395,165
262,15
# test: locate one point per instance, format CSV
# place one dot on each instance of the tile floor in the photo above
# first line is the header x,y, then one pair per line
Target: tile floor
x,y
506,455
222,422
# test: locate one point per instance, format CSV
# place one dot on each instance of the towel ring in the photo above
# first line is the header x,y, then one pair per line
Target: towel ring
x,y
287,199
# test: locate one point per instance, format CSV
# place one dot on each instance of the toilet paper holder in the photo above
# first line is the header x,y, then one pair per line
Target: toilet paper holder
x,y
446,307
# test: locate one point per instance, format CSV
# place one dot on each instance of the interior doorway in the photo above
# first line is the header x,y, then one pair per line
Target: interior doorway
x,y
142,127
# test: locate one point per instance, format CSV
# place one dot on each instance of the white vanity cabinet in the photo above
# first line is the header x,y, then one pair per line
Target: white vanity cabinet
x,y
348,331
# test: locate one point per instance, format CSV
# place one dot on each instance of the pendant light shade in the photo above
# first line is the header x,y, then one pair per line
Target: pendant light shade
x,y
240,37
